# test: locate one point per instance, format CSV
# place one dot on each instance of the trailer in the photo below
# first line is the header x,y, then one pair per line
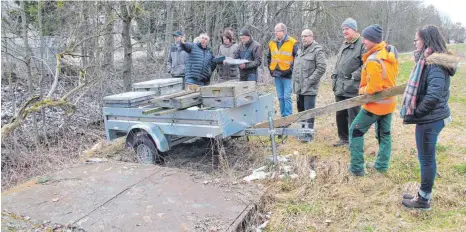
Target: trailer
x,y
152,129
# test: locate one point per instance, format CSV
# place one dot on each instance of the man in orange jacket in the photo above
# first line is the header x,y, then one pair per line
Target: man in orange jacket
x,y
378,73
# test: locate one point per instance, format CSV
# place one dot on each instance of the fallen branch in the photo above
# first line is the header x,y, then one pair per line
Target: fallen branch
x,y
36,107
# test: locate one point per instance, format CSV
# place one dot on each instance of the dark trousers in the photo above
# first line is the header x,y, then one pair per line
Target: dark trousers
x,y
306,102
426,141
249,77
345,118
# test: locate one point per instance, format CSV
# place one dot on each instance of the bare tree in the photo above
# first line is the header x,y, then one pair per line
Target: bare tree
x,y
126,18
27,51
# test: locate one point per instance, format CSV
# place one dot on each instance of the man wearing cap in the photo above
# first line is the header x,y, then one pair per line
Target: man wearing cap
x,y
378,73
177,57
251,50
282,51
227,72
347,76
309,67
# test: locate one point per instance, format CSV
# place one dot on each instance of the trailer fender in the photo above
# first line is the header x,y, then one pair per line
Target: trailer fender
x,y
153,131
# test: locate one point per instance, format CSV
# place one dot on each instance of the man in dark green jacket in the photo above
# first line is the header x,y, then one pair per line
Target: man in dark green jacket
x,y
309,67
347,76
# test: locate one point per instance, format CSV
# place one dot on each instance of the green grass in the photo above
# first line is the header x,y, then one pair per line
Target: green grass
x,y
405,71
461,168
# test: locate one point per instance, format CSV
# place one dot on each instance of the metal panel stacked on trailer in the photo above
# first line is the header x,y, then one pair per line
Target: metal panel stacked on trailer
x,y
160,86
229,94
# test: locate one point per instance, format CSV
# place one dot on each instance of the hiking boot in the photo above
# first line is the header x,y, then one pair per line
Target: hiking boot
x,y
417,202
341,143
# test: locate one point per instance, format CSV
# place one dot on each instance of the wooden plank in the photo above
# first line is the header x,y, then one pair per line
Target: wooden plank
x,y
153,110
337,106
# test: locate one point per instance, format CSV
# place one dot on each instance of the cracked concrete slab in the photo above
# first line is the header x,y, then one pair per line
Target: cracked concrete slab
x,y
132,197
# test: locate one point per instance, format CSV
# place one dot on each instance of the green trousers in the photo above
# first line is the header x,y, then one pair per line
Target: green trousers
x,y
359,127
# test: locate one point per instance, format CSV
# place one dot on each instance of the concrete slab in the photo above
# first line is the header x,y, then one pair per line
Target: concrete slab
x,y
132,197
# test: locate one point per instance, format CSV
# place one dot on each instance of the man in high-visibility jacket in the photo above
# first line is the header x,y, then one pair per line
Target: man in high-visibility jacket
x,y
379,72
282,51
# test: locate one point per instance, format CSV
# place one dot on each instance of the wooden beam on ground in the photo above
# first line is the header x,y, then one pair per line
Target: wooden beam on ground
x,y
337,106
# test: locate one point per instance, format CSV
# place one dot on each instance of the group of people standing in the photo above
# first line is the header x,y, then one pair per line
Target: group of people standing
x,y
195,61
365,65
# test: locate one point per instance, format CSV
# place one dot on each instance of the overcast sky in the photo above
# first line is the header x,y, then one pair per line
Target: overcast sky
x,y
455,9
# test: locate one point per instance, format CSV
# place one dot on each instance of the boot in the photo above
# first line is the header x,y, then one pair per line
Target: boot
x,y
417,202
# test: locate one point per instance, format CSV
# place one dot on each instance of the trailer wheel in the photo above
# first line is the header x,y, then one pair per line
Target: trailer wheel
x,y
146,151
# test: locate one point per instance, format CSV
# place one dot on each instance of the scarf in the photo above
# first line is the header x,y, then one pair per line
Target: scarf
x,y
408,106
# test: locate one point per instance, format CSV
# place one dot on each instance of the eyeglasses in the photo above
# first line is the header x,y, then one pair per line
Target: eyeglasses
x,y
306,36
415,40
279,31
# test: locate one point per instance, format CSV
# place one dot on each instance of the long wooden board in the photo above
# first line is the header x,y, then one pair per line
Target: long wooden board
x,y
337,106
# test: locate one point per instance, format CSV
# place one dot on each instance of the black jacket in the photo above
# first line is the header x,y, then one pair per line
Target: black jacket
x,y
434,90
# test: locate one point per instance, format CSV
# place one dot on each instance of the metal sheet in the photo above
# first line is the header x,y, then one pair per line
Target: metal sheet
x,y
129,97
157,83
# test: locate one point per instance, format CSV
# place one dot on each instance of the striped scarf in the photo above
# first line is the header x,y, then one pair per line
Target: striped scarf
x,y
410,95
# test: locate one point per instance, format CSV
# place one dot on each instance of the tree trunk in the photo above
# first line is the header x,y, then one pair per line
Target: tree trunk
x,y
10,84
109,40
84,26
126,42
41,66
169,25
28,67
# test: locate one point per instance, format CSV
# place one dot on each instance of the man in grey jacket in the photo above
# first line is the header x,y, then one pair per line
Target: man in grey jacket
x,y
309,67
347,76
251,50
177,57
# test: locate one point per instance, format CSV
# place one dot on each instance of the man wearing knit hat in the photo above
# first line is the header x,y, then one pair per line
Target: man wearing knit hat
x,y
346,77
251,50
378,73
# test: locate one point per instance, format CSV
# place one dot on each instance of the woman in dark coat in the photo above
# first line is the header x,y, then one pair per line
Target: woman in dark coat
x,y
425,103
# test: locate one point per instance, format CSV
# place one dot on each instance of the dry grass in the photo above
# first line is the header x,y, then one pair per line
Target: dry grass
x,y
337,201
